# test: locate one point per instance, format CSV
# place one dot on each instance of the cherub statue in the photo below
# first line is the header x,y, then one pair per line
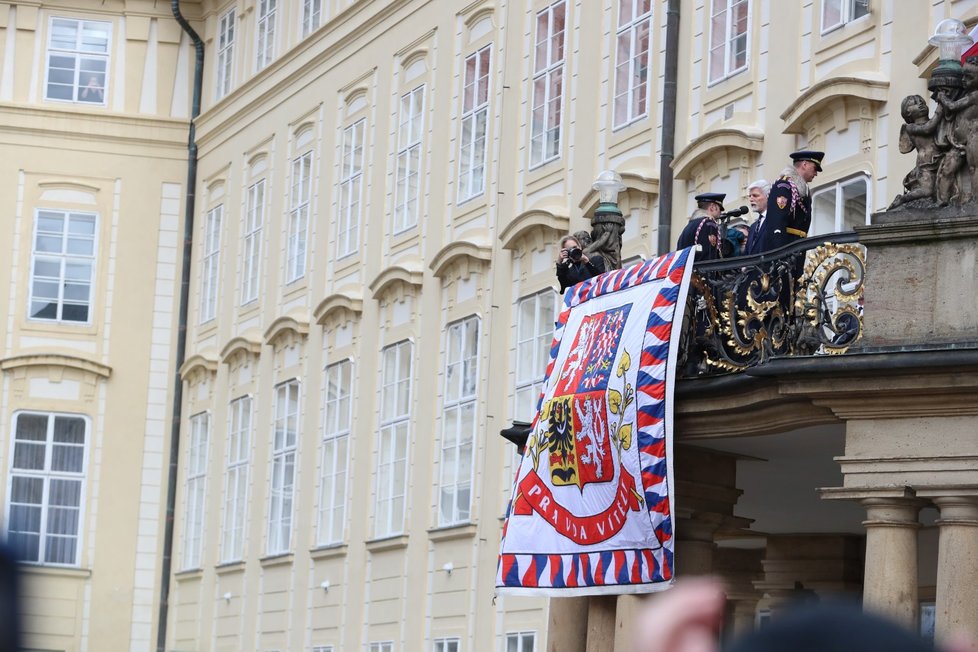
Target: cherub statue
x,y
607,229
962,114
920,133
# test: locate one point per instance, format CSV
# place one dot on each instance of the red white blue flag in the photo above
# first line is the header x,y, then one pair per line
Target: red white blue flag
x,y
592,507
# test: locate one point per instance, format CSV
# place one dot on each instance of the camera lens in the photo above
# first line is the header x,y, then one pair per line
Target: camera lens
x,y
575,254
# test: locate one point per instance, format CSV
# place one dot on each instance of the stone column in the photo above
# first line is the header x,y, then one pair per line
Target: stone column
x,y
601,623
890,576
957,566
567,625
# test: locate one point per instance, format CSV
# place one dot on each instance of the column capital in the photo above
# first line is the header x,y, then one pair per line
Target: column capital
x,y
957,510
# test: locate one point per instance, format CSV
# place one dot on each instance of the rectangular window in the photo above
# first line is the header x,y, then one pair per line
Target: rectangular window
x,y
521,642
225,53
534,335
322,648
395,417
548,84
193,528
47,477
475,116
836,13
728,38
62,266
408,184
284,445
210,265
840,206
459,421
351,180
337,418
384,646
299,217
446,645
236,479
254,221
265,43
78,61
312,12
632,69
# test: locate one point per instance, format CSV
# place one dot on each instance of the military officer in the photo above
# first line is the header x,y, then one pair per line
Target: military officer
x,y
704,226
789,206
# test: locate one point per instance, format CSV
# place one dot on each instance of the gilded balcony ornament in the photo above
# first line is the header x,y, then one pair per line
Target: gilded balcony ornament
x,y
807,301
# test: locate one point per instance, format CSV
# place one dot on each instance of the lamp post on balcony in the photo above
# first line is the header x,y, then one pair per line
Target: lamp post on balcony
x,y
951,39
607,223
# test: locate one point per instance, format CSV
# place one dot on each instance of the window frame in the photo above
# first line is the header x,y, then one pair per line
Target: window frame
x,y
311,16
467,164
631,28
847,10
300,209
265,32
729,40
195,483
237,474
446,644
210,265
543,330
381,646
280,542
520,639
552,67
394,425
253,241
78,53
454,403
350,174
64,259
46,475
333,505
226,32
837,187
407,210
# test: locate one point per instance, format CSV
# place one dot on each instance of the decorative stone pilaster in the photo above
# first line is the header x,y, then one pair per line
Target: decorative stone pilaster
x,y
957,565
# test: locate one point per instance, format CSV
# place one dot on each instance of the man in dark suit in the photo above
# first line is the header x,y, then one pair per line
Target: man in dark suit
x,y
789,205
704,226
757,193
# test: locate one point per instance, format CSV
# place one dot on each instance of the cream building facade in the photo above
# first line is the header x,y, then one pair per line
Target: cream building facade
x,y
380,189
94,101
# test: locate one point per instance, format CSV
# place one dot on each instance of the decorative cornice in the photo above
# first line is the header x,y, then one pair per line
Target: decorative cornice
x,y
337,303
56,360
408,274
868,86
453,251
240,344
750,139
529,220
198,363
286,324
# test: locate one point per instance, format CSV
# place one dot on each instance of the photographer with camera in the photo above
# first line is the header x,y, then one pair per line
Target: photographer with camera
x,y
573,265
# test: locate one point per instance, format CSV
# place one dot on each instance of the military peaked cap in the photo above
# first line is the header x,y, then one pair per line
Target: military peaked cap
x,y
714,197
809,155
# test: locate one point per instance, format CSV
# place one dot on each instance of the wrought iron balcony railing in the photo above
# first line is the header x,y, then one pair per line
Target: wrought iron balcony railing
x,y
803,299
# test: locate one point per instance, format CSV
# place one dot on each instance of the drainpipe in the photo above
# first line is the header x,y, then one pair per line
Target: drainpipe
x,y
177,415
667,150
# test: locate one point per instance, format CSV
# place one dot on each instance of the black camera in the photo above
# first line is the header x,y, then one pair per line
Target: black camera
x,y
575,254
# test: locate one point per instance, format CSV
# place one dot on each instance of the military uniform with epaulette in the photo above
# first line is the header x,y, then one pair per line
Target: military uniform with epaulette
x,y
789,206
703,229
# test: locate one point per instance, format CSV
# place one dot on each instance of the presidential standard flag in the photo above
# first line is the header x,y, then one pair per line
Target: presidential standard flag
x,y
592,504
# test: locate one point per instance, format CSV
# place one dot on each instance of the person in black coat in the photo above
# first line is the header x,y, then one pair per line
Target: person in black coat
x,y
704,226
573,265
757,193
789,206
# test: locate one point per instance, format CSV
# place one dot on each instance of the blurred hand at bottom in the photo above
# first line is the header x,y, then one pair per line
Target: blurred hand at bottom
x,y
685,618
